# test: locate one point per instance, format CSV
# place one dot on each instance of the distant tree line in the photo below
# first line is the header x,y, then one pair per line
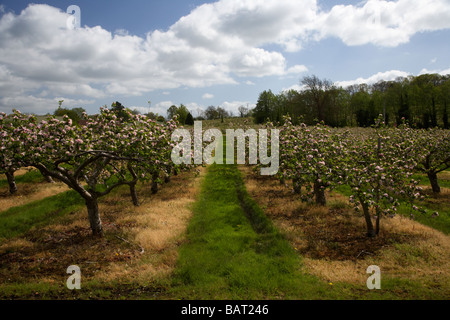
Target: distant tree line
x,y
121,111
215,113
75,113
184,116
423,101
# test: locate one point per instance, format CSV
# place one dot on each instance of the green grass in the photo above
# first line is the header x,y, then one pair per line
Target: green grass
x,y
32,176
232,253
423,180
441,223
17,220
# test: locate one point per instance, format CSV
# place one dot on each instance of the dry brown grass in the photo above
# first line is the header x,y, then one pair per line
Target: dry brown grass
x,y
157,226
28,193
332,239
22,171
426,255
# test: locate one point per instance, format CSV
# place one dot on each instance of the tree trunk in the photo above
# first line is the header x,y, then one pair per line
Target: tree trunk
x,y
377,225
133,193
155,176
297,186
166,178
154,187
11,182
320,194
370,231
434,182
94,216
49,179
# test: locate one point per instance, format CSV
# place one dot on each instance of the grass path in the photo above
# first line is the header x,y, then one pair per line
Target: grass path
x,y
234,252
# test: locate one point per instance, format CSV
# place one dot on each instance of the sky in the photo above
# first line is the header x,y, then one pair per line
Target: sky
x,y
150,55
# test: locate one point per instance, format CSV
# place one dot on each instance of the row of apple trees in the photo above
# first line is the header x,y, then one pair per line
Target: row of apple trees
x,y
377,164
109,150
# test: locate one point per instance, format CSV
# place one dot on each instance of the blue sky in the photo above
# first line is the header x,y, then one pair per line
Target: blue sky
x,y
201,53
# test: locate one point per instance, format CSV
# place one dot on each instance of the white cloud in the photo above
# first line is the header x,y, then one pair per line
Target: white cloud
x,y
29,103
207,96
160,108
213,45
383,23
297,69
121,32
195,108
386,76
441,72
233,106
295,87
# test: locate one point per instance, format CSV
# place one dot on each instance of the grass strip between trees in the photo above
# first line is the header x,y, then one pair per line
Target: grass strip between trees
x,y
437,203
32,176
234,252
18,220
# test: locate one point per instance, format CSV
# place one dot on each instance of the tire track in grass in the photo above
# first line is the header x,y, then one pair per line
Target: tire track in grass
x,y
234,252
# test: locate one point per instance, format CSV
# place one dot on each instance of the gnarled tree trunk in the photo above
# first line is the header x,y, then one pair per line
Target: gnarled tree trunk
x,y
434,182
377,224
320,194
297,186
166,177
49,179
11,182
94,216
370,230
155,177
133,193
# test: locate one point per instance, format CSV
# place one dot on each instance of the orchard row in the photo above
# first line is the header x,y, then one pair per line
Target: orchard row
x,y
377,164
113,149
109,150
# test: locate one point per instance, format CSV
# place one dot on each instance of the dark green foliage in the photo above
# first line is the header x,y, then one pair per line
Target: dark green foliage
x,y
75,114
189,120
421,101
120,111
181,112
